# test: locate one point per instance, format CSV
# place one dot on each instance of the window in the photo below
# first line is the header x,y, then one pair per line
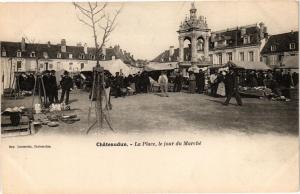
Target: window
x,y
292,46
273,47
19,54
58,55
220,59
50,66
3,52
81,65
41,66
19,65
251,56
242,56
229,56
210,57
32,54
70,56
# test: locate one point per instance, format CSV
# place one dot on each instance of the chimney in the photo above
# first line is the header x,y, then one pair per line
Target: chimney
x,y
23,45
79,44
85,48
171,51
48,44
243,31
261,30
63,45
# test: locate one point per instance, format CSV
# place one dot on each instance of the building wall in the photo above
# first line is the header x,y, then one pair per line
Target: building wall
x,y
275,59
236,54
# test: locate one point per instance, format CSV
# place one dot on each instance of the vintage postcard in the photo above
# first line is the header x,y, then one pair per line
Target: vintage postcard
x,y
149,97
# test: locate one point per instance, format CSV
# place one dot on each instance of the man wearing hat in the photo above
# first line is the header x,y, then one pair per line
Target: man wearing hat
x,y
232,87
66,85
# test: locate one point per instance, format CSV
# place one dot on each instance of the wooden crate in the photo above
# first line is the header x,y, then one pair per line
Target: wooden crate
x,y
7,130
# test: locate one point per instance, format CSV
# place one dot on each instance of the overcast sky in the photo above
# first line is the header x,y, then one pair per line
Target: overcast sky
x,y
144,29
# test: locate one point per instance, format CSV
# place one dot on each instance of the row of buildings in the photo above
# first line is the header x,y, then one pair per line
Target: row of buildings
x,y
28,57
250,43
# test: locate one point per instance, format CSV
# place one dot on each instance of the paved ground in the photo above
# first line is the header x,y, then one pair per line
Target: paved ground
x,y
147,113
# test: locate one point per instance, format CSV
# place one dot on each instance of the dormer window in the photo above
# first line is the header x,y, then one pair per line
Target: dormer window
x,y
92,56
70,56
273,47
246,39
32,54
3,52
19,54
292,46
81,56
58,55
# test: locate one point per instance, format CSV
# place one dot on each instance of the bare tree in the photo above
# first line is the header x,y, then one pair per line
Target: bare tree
x,y
95,16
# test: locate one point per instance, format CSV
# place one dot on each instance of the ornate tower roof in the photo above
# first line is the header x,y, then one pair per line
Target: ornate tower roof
x,y
192,22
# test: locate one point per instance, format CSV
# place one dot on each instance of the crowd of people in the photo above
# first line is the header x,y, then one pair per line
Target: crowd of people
x,y
46,86
216,83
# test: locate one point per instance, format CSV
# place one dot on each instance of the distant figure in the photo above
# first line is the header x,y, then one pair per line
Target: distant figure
x,y
221,91
47,86
200,81
231,80
53,97
295,77
163,83
192,83
178,82
213,84
66,85
118,85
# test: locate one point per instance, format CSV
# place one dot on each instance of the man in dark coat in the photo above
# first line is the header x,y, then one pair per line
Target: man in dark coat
x,y
47,86
200,81
178,82
66,85
231,80
118,84
53,97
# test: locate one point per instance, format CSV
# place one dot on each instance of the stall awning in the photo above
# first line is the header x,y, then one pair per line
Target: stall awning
x,y
251,65
290,62
160,66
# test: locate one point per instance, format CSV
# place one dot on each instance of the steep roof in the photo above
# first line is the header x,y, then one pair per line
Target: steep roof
x,y
282,43
77,52
234,37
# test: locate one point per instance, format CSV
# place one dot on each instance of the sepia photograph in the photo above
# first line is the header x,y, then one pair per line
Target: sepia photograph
x,y
149,96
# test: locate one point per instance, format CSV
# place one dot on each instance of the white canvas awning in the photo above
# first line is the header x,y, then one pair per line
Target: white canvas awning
x,y
152,66
113,66
255,65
